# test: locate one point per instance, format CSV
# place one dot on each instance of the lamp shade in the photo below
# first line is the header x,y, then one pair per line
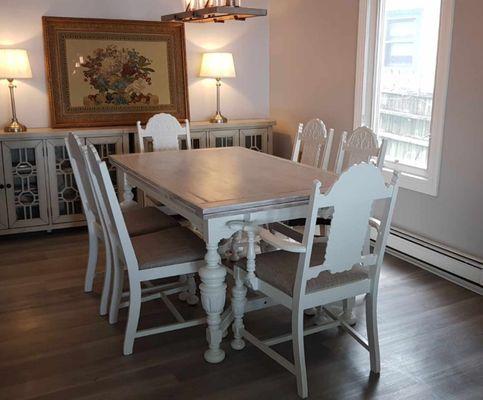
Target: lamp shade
x,y
14,64
217,65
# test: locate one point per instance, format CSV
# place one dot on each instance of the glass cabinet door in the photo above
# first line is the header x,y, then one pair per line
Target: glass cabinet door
x,y
3,199
25,185
65,199
254,139
198,141
225,138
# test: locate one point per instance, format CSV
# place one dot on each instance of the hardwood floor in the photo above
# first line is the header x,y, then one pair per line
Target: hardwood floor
x,y
54,345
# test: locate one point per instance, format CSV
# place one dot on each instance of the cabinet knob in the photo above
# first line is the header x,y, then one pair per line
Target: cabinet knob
x,y
9,185
2,186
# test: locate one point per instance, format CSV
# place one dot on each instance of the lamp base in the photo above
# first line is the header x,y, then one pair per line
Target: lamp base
x,y
218,119
15,126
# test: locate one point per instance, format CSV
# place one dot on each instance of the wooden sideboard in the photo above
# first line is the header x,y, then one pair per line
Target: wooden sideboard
x,y
37,187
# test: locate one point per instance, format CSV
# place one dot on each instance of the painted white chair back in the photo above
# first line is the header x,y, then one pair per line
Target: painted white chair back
x,y
360,146
165,131
312,144
111,210
352,198
79,168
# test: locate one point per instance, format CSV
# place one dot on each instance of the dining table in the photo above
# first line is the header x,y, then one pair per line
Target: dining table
x,y
212,188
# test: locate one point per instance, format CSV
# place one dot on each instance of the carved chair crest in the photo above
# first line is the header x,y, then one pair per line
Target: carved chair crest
x,y
164,129
312,144
360,146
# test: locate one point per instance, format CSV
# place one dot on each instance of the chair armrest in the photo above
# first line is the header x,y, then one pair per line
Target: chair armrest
x,y
278,242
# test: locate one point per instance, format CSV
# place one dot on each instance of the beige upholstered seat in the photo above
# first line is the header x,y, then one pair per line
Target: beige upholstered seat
x,y
168,247
279,268
140,221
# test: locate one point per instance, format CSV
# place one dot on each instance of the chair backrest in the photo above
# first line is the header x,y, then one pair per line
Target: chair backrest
x,y
352,198
360,146
165,131
111,210
79,168
312,144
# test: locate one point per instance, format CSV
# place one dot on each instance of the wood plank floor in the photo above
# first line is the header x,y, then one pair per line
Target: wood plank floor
x,y
54,345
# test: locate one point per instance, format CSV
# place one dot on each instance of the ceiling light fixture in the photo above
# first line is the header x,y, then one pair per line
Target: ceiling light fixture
x,y
214,11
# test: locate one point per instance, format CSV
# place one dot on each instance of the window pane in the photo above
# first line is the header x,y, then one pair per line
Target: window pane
x,y
406,74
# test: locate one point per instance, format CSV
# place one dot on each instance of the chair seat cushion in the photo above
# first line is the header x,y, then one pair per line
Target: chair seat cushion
x,y
168,247
279,269
140,221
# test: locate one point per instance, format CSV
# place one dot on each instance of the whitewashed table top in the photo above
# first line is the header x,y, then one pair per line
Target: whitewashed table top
x,y
220,180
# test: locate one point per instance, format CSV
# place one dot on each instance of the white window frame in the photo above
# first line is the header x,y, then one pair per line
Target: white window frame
x,y
370,12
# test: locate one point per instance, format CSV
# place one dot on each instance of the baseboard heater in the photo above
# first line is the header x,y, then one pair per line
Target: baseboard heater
x,y
462,269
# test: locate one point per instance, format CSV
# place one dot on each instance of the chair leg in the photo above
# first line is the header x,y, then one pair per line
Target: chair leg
x,y
311,311
116,291
238,301
133,317
92,260
183,296
372,333
106,289
299,352
348,311
192,297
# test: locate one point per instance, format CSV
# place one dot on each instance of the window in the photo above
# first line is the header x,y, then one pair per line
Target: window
x,y
402,75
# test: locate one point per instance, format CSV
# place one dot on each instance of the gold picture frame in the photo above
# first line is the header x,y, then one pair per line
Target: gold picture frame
x,y
103,72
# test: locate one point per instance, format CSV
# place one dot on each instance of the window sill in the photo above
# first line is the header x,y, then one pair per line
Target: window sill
x,y
421,184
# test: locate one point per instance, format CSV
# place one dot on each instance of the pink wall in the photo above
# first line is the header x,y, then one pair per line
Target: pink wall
x,y
312,65
312,69
246,96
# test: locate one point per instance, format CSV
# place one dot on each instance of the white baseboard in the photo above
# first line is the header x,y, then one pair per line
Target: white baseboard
x,y
453,265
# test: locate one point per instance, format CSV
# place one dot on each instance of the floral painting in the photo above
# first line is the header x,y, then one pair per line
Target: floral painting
x,y
114,72
120,76
117,73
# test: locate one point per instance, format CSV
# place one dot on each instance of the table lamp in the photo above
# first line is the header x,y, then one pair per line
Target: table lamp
x,y
218,66
14,64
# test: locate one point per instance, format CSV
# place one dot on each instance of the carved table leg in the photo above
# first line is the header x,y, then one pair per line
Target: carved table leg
x,y
251,231
213,293
235,244
128,195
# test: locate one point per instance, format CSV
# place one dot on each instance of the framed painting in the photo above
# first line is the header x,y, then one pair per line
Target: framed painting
x,y
114,72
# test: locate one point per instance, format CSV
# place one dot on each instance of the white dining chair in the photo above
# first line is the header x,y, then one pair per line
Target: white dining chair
x,y
320,271
313,144
171,252
138,221
165,132
360,146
